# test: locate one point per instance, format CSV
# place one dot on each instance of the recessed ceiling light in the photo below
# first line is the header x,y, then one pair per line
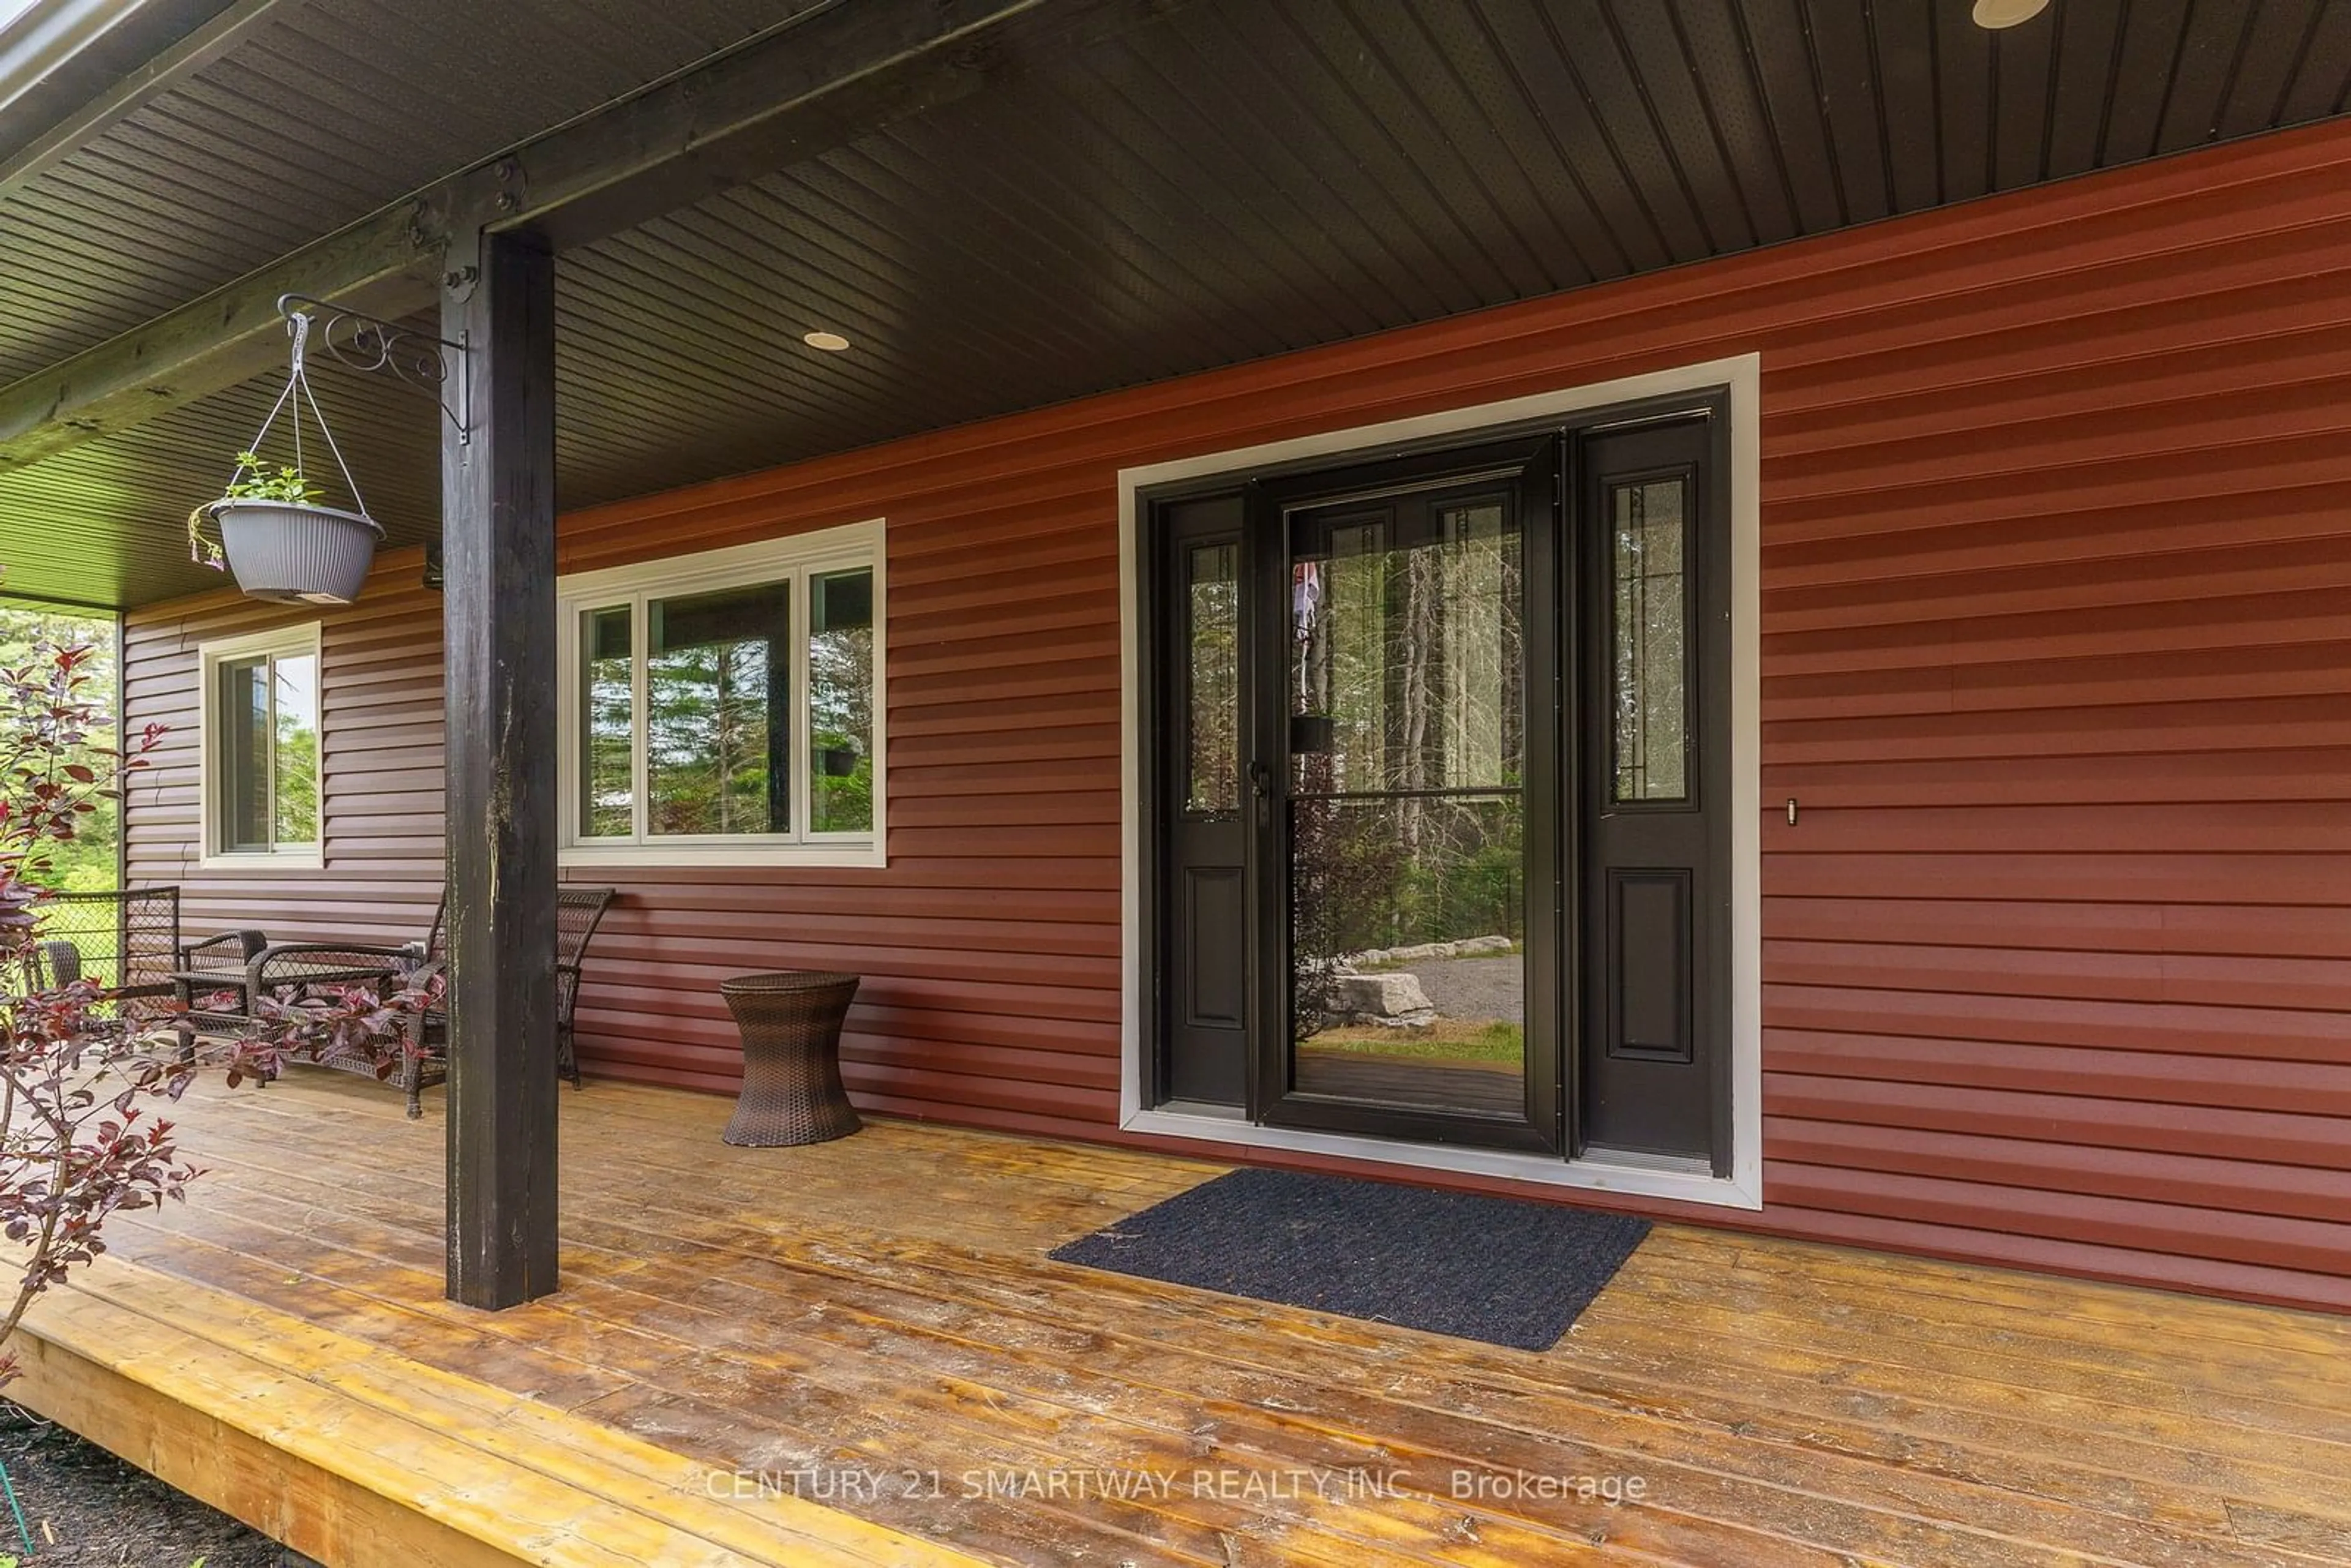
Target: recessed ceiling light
x,y
831,342
1998,13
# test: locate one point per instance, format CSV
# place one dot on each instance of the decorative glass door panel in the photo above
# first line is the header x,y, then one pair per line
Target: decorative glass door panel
x,y
1648,640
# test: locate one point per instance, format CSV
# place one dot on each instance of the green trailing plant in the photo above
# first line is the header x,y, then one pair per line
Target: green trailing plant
x,y
255,481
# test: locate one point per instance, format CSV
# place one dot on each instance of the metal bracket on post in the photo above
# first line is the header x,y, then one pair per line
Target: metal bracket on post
x,y
483,197
461,263
415,359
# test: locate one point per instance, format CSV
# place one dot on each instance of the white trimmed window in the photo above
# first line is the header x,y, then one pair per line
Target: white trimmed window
x,y
260,748
727,708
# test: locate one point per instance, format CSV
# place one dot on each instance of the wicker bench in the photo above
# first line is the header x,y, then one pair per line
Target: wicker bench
x,y
288,969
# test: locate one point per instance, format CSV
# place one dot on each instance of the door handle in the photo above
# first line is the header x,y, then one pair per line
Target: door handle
x,y
1260,779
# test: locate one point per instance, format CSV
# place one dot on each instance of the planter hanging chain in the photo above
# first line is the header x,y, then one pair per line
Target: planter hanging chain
x,y
207,550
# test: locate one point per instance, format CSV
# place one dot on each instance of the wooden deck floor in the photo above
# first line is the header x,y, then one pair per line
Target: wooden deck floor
x,y
873,1326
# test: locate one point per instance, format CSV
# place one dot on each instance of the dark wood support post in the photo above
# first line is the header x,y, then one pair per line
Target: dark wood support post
x,y
498,605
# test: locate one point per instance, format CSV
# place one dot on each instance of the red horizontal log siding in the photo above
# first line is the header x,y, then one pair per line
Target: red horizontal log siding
x,y
379,764
2055,627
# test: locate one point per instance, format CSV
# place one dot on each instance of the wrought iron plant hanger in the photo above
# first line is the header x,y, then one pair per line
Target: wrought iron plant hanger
x,y
412,359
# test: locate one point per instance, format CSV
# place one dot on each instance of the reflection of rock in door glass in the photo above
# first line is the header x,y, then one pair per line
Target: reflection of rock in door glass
x,y
1408,928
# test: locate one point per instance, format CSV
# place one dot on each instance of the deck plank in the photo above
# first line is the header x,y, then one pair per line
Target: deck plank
x,y
756,1372
885,1303
713,1198
536,1484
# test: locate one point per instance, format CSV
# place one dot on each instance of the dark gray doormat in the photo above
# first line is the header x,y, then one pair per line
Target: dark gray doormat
x,y
1498,1269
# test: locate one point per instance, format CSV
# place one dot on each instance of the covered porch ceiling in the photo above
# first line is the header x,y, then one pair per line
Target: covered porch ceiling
x,y
1064,197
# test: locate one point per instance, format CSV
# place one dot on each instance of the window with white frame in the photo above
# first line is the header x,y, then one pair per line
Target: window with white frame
x,y
728,705
260,719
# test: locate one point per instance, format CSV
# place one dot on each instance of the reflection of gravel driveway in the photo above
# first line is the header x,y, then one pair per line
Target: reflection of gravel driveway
x,y
1475,988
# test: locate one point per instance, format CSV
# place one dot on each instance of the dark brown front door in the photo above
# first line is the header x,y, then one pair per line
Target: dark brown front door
x,y
1438,786
1416,930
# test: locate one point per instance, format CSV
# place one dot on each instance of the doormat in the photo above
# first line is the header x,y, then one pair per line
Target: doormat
x,y
1502,1270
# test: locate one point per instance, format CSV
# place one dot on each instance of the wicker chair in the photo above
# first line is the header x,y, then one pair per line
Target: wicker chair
x,y
216,965
577,912
55,963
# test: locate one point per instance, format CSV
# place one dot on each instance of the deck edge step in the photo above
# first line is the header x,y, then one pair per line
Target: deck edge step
x,y
153,1363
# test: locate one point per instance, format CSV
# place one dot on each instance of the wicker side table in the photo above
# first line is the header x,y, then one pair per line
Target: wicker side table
x,y
790,1024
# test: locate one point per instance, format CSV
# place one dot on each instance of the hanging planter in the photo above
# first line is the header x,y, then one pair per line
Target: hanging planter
x,y
268,529
281,544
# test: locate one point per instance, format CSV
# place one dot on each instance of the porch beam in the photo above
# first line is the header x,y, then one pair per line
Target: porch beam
x,y
498,615
789,94
807,86
382,265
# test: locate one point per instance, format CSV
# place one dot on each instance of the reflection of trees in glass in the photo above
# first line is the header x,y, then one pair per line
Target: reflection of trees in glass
x,y
1651,705
608,771
841,701
715,694
718,729
1340,605
245,745
1408,639
1341,883
706,741
1415,652
266,752
296,749
1479,592
1212,763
